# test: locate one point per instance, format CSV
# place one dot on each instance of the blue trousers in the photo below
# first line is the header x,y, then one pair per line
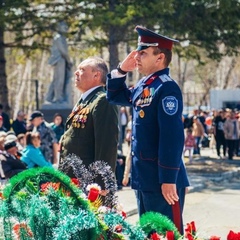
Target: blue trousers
x,y
155,202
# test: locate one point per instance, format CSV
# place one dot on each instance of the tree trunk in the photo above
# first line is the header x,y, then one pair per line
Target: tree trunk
x,y
227,78
22,88
113,41
3,76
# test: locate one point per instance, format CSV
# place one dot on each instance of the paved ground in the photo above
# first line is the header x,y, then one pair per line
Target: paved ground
x,y
213,198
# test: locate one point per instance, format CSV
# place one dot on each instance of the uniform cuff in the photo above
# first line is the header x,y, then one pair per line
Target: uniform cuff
x,y
116,74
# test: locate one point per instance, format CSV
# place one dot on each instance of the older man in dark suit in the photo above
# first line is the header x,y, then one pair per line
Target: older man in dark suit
x,y
92,127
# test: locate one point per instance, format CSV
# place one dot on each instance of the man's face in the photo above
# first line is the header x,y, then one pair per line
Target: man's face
x,y
37,121
147,62
86,77
21,116
12,150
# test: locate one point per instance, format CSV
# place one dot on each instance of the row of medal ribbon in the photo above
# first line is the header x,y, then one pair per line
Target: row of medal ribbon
x,y
80,119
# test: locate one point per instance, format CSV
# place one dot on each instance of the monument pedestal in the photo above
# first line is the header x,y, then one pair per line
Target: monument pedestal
x,y
49,110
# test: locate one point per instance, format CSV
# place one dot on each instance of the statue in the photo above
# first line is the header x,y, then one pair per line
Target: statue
x,y
58,91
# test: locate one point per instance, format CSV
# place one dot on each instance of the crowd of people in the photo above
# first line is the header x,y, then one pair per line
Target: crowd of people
x,y
219,129
28,142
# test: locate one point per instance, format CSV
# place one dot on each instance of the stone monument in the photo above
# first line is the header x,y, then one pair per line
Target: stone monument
x,y
59,95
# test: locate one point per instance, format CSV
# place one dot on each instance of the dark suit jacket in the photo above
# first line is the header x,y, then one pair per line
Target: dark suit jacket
x,y
97,138
12,166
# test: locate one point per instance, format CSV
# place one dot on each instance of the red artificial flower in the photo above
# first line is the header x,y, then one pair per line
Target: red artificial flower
x,y
93,194
18,226
124,214
46,186
118,228
190,230
233,236
214,238
75,181
155,236
189,236
1,196
191,227
170,235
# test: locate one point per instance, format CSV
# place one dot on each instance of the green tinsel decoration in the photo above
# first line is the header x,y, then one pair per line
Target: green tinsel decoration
x,y
113,219
155,221
56,214
38,175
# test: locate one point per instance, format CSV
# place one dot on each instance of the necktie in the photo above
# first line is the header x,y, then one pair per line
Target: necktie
x,y
77,104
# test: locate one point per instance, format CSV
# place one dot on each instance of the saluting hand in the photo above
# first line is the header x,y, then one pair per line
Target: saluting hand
x,y
129,63
169,192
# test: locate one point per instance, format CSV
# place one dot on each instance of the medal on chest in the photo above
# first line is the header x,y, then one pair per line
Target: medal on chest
x,y
141,113
80,118
146,96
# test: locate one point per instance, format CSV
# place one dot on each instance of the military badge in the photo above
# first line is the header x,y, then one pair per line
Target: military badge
x,y
80,119
170,105
141,113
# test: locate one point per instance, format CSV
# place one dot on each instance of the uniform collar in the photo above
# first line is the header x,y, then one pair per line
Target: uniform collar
x,y
160,72
85,94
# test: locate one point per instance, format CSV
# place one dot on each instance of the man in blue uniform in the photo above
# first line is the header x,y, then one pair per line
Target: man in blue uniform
x,y
158,171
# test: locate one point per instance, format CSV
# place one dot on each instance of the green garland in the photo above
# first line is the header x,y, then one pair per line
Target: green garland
x,y
52,215
155,221
62,212
131,232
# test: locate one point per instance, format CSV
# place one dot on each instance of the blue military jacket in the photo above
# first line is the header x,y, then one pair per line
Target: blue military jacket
x,y
157,129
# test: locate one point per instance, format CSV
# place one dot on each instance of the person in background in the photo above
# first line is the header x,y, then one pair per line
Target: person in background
x,y
2,140
189,144
92,127
21,141
120,166
31,154
49,144
19,124
158,171
6,120
231,130
238,145
123,122
218,131
2,128
198,133
11,165
58,126
11,136
129,132
127,170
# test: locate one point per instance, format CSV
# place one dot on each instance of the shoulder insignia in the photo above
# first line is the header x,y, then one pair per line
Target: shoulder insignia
x,y
165,78
170,105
